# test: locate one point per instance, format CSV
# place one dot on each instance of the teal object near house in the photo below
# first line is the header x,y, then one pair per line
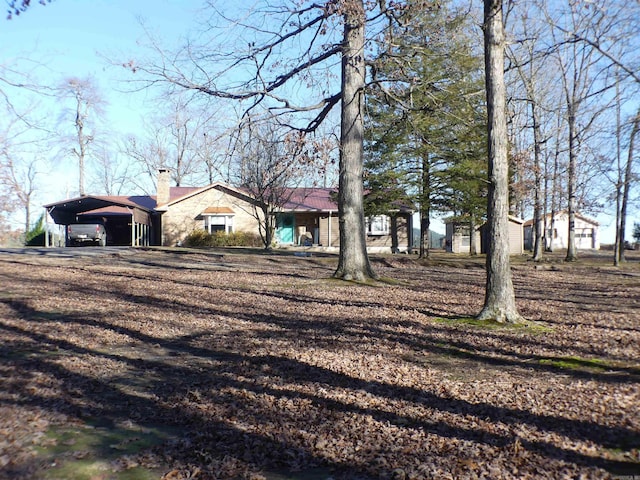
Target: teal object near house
x,y
285,228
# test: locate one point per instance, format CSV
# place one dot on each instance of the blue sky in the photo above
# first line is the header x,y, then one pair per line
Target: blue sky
x,y
77,38
72,37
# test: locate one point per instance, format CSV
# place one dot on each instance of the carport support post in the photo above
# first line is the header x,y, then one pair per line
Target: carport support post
x,y
133,231
46,228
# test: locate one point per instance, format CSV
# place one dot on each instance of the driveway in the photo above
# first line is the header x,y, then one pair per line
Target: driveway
x,y
66,252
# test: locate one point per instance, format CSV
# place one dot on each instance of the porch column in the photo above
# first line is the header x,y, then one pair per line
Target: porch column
x,y
410,234
46,228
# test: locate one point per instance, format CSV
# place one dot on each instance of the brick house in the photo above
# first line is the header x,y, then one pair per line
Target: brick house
x,y
309,217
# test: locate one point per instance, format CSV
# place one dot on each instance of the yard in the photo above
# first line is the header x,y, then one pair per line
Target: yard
x,y
148,364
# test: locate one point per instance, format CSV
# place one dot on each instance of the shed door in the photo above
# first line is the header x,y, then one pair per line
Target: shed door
x,y
286,226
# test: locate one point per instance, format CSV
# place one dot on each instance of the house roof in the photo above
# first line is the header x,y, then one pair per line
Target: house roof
x,y
315,199
179,194
176,193
321,200
65,212
92,202
107,211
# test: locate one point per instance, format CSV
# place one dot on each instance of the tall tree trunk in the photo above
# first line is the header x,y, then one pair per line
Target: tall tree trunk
x,y
626,186
425,207
27,215
82,142
554,194
473,247
425,235
395,243
537,207
545,205
499,303
618,243
353,262
266,225
572,253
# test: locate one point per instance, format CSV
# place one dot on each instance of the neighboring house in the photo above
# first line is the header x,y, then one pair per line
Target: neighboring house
x,y
516,236
458,239
309,217
557,237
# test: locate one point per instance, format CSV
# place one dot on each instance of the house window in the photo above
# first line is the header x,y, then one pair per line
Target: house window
x,y
218,223
378,225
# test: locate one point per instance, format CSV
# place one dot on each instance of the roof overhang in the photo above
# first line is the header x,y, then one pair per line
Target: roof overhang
x,y
67,211
218,211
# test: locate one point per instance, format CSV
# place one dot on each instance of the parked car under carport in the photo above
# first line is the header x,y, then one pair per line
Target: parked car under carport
x,y
86,234
126,222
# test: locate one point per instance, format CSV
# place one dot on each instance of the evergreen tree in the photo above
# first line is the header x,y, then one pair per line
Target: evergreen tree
x,y
35,236
636,232
426,127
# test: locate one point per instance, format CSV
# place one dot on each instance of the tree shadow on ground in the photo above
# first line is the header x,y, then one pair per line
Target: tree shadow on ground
x,y
234,401
198,390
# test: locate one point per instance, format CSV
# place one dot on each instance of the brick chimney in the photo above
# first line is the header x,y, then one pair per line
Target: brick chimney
x,y
164,181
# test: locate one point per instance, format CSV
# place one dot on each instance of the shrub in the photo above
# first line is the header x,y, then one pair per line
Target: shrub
x,y
35,236
201,238
197,238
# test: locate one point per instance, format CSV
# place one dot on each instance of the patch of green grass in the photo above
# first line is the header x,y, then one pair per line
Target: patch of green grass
x,y
576,363
532,327
78,470
87,452
592,365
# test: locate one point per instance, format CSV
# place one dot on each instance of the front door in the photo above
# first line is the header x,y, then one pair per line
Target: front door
x,y
285,228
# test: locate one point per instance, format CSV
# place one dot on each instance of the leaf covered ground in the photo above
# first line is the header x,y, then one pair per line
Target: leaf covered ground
x,y
164,364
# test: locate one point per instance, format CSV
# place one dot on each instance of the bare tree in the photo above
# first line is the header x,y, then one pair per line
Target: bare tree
x,y
19,169
585,75
87,103
499,303
579,50
111,175
213,154
18,181
177,138
623,189
524,58
24,138
146,156
16,7
290,49
271,162
180,134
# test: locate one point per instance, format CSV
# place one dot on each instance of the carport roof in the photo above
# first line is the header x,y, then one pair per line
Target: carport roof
x,y
65,211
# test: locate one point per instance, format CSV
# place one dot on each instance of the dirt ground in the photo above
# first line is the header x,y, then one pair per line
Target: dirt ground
x,y
174,364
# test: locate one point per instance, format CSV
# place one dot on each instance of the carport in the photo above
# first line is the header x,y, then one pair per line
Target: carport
x,y
127,220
